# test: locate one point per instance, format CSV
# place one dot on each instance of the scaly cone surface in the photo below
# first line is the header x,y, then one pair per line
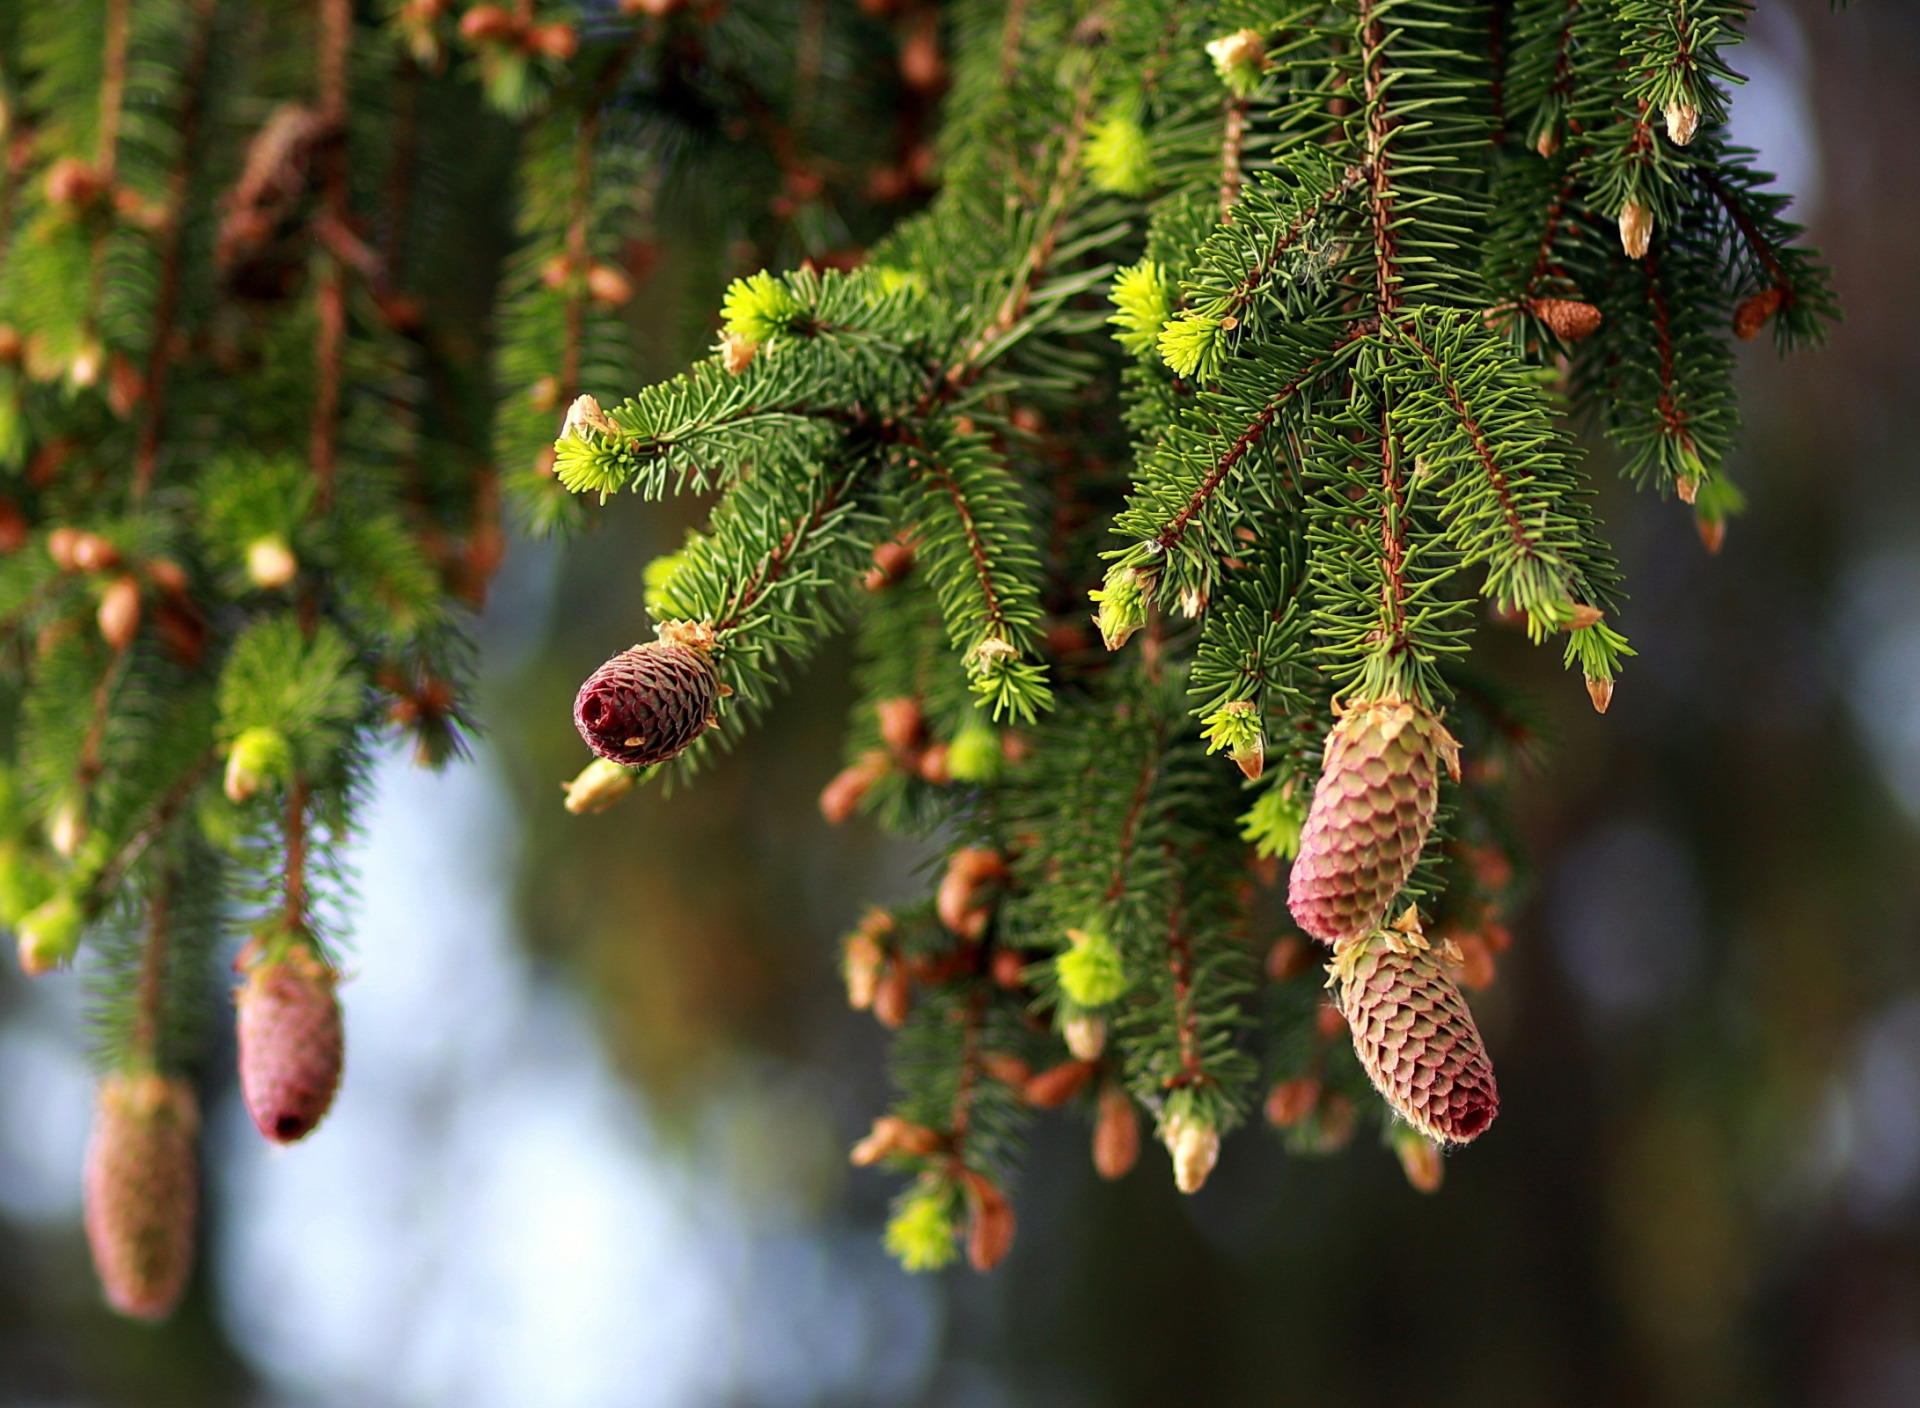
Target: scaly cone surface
x,y
141,1191
1371,813
1414,1034
647,704
291,1046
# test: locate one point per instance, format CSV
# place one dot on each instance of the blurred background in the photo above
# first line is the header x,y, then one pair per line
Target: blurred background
x,y
591,1146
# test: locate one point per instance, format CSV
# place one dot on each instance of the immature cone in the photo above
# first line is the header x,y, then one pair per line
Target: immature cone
x,y
647,704
1415,1035
141,1191
1371,812
290,1043
1195,1147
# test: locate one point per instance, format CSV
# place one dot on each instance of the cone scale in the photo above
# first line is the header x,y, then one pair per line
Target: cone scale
x,y
1372,810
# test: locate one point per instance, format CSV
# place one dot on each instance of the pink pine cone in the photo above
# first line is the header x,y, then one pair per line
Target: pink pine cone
x,y
647,704
141,1191
1371,812
290,1043
1415,1035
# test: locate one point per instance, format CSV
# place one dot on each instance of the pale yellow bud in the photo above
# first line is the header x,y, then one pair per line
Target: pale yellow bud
x,y
1636,229
1195,1147
271,563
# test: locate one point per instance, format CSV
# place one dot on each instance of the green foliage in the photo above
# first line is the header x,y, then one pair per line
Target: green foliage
x,y
1354,278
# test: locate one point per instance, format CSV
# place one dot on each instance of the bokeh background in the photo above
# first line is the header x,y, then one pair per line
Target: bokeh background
x,y
591,1146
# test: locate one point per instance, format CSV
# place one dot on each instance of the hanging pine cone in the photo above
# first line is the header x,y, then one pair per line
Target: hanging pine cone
x,y
1378,787
647,704
141,1191
1415,1035
290,1043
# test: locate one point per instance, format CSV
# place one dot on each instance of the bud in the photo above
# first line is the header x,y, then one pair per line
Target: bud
x,y
862,958
1288,958
1328,1021
1195,1146
73,183
125,385
990,1222
1567,319
1755,310
892,1135
648,704
1419,1159
258,756
1600,692
608,285
934,767
93,553
736,352
67,828
1291,1101
921,1231
598,786
850,785
1123,606
1712,531
119,613
975,754
1086,1036
902,725
584,418
1636,229
558,42
86,364
1008,969
141,1191
1239,58
1091,971
891,562
489,24
1683,120
1008,1069
893,997
958,901
1116,1134
271,563
1477,970
1338,1119
61,543
1055,1086
291,1044
1235,726
49,935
